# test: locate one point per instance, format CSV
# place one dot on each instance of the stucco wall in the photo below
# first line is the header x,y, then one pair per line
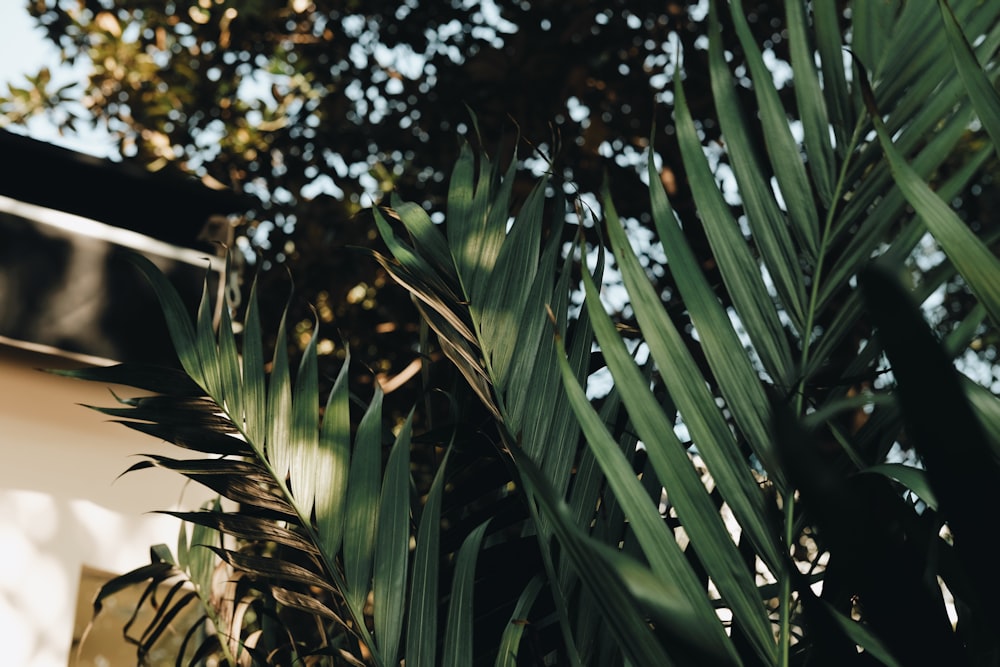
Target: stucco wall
x,y
61,506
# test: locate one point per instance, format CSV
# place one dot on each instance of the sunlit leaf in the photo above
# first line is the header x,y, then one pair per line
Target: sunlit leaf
x,y
231,384
201,560
363,502
208,352
279,406
427,238
305,459
332,464
254,391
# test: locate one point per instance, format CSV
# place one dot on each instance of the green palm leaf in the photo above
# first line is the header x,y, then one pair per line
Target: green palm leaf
x,y
981,90
676,474
770,227
331,463
695,402
392,546
666,560
361,512
177,317
511,639
322,526
254,388
738,381
973,260
277,446
790,174
422,626
305,460
457,650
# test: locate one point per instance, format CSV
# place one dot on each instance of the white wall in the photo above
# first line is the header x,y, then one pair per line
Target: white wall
x,y
61,506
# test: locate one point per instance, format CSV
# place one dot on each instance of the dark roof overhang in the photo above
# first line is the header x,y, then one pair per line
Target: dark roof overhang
x,y
66,222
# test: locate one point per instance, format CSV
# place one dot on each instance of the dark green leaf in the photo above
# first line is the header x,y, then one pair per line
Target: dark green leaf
x,y
512,634
392,547
141,376
697,406
811,104
177,316
678,476
459,629
974,261
912,478
862,637
422,626
940,422
784,155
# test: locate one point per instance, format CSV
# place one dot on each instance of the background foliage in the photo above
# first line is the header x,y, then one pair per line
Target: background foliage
x,y
314,105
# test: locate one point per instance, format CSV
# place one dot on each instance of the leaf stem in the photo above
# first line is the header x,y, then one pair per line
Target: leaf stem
x,y
544,536
785,592
785,602
818,273
358,627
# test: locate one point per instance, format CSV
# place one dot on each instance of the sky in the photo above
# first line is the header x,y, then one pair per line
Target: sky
x,y
24,50
21,47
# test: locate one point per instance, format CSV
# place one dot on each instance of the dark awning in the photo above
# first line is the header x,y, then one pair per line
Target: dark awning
x,y
167,207
64,230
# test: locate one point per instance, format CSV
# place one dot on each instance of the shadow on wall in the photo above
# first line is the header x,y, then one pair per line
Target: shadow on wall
x,y
62,506
47,542
104,644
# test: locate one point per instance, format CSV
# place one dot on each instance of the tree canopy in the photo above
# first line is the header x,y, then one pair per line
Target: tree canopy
x,y
318,107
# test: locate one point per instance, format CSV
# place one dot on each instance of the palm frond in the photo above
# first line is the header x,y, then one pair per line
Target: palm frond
x,y
315,530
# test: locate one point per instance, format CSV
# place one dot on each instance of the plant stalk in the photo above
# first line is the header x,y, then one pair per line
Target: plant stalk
x,y
785,603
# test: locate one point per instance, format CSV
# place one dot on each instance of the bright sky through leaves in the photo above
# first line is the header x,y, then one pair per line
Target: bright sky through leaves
x,y
23,50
